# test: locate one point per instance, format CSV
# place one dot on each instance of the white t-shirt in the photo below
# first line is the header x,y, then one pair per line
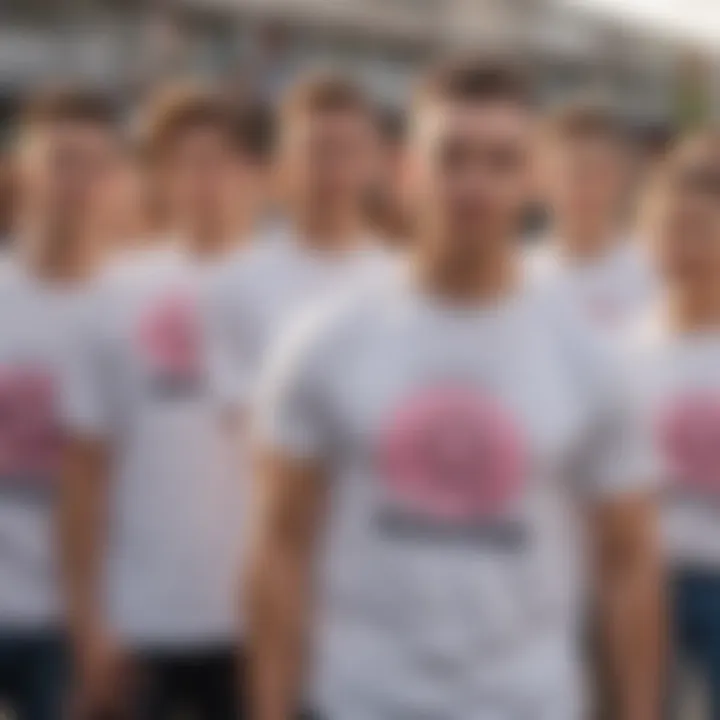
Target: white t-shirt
x,y
611,289
258,293
36,320
146,377
676,381
459,443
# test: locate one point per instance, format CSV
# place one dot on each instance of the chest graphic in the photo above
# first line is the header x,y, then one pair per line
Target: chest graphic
x,y
30,438
451,455
688,434
170,339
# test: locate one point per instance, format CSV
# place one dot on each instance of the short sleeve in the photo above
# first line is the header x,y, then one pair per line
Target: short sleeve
x,y
615,453
291,407
619,455
85,381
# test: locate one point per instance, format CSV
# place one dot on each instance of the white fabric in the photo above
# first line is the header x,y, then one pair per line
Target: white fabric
x,y
611,289
146,377
459,442
676,381
36,321
258,293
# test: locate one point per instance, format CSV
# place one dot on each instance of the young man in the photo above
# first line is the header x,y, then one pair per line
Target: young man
x,y
675,365
585,176
201,181
422,447
326,149
68,154
151,449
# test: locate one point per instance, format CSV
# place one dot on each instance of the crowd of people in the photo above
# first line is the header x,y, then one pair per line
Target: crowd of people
x,y
296,422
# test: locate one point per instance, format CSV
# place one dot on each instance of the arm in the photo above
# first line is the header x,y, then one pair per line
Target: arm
x,y
82,521
294,436
82,512
290,505
631,604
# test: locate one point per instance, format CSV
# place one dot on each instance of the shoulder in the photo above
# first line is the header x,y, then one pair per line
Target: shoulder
x,y
539,261
124,282
383,264
588,356
325,332
642,339
11,275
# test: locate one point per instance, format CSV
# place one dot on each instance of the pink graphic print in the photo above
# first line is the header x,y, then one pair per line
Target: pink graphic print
x,y
171,336
453,455
689,436
29,431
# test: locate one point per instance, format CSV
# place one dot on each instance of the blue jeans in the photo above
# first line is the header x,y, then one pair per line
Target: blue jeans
x,y
696,629
32,674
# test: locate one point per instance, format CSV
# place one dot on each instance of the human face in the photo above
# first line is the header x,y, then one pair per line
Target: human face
x,y
584,180
686,231
67,173
469,171
205,182
328,159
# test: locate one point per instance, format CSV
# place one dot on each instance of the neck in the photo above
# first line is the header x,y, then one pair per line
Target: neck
x,y
323,230
695,309
484,275
583,242
209,244
59,256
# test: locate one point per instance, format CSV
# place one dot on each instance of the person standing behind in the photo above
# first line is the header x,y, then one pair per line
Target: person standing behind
x,y
150,450
68,154
422,449
325,153
674,361
584,175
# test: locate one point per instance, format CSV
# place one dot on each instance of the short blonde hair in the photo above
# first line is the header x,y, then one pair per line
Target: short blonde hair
x,y
325,93
177,110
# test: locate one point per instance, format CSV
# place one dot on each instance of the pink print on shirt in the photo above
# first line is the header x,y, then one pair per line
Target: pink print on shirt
x,y
689,435
171,337
30,440
453,455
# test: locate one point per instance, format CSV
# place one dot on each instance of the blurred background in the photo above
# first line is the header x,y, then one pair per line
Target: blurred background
x,y
655,60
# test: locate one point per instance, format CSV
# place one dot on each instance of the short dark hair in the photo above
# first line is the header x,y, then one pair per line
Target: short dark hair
x,y
476,79
258,128
392,126
77,105
325,93
585,121
177,110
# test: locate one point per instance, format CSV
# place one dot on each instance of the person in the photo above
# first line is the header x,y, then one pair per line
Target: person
x,y
422,446
673,353
584,174
324,162
68,151
149,446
